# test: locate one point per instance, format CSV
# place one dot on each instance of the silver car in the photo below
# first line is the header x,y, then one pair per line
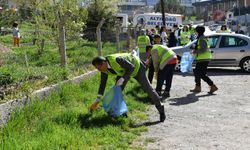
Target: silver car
x,y
228,50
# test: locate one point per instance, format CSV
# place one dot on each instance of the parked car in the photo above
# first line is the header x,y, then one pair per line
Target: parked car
x,y
228,50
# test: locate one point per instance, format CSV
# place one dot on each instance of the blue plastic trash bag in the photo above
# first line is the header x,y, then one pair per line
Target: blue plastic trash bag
x,y
113,102
186,62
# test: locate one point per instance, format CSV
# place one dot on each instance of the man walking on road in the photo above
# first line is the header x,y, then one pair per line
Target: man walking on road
x,y
124,66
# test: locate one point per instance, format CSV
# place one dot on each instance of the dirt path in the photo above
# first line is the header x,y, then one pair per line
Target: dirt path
x,y
202,121
4,48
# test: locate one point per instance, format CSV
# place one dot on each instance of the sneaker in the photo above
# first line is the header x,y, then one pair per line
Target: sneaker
x,y
159,93
125,115
162,117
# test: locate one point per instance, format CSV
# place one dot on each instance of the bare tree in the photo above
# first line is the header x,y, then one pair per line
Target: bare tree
x,y
56,18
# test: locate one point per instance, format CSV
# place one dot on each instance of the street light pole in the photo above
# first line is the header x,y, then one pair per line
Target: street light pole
x,y
163,13
238,6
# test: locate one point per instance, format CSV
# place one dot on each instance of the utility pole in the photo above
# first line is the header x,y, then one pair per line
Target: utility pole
x,y
238,6
163,13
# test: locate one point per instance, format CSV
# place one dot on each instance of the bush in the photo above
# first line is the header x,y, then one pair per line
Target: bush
x,y
5,78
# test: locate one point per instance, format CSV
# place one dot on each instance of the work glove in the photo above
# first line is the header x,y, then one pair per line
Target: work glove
x,y
94,106
120,81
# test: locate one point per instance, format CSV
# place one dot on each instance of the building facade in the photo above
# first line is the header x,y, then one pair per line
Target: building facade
x,y
209,9
132,7
188,5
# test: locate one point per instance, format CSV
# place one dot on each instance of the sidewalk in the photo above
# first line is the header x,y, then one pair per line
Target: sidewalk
x,y
203,121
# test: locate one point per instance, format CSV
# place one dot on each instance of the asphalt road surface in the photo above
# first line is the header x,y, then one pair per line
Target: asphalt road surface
x,y
202,121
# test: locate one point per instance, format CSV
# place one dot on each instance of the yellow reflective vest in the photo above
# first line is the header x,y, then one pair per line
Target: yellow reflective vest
x,y
207,55
118,69
143,41
185,37
163,54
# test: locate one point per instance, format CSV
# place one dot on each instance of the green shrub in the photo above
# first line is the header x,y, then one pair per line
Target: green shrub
x,y
5,78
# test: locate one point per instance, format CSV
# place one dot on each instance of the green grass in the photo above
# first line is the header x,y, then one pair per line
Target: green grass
x,y
62,121
31,71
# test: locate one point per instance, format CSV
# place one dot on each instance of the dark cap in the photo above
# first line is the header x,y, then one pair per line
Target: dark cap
x,y
157,36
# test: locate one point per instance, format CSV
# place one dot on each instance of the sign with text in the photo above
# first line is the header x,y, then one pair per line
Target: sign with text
x,y
150,20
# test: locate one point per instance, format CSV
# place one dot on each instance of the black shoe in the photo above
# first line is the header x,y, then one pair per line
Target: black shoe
x,y
165,95
162,117
125,115
159,93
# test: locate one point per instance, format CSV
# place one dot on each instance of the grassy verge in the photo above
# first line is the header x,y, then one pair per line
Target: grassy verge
x,y
62,121
24,70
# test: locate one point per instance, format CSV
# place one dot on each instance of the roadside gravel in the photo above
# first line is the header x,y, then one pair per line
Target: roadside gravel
x,y
202,121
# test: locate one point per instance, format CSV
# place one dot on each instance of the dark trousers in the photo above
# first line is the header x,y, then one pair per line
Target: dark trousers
x,y
143,56
151,71
146,86
166,74
200,72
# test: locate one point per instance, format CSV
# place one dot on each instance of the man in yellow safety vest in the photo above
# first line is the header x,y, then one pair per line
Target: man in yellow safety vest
x,y
125,66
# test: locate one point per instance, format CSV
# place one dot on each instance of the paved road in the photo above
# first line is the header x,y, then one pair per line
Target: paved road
x,y
202,121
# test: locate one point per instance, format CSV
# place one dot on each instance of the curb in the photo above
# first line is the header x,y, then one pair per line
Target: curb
x,y
7,108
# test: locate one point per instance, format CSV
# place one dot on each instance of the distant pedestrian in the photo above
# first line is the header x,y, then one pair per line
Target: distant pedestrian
x,y
16,34
223,29
202,56
238,30
177,33
150,34
157,28
142,41
192,31
153,33
185,36
172,41
163,34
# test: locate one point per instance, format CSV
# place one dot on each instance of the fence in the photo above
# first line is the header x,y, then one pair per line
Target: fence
x,y
124,38
28,59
